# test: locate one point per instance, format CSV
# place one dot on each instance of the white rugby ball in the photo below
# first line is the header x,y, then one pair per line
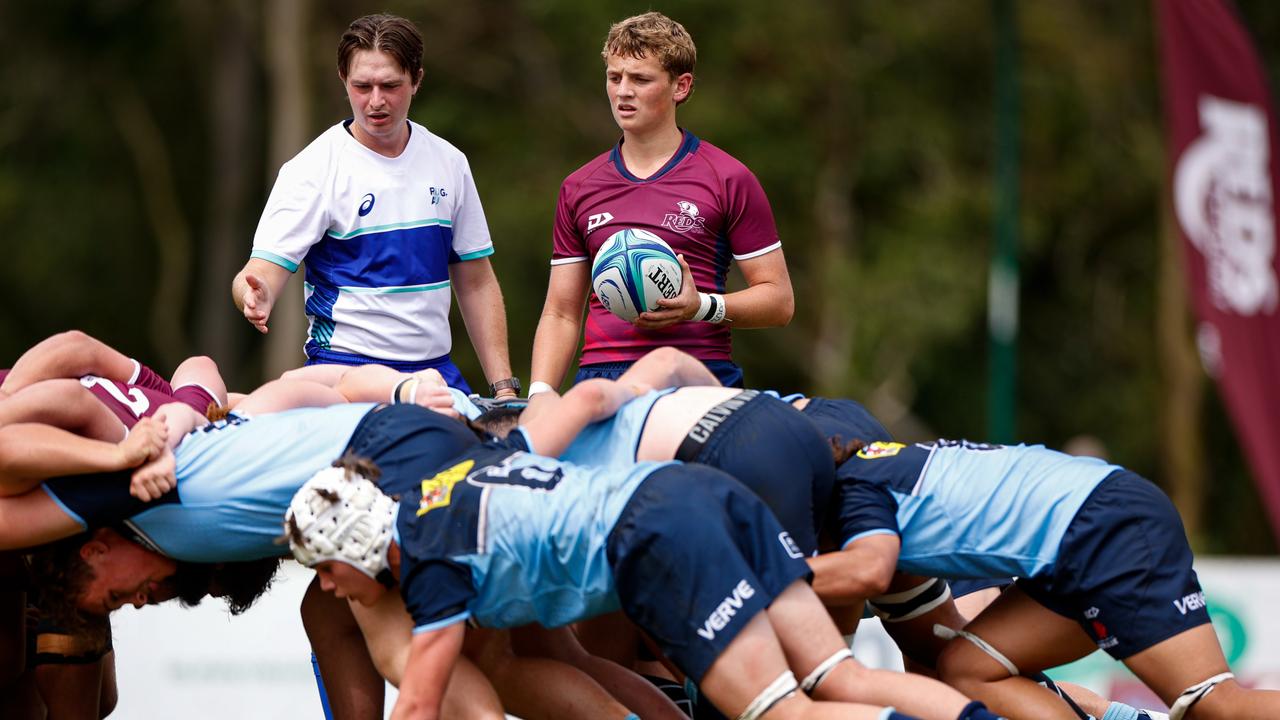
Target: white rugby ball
x,y
632,270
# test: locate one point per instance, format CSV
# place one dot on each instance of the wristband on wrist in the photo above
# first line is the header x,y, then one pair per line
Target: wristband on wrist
x,y
538,386
704,306
717,308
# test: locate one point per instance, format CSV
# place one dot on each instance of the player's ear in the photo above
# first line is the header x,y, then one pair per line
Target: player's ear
x,y
93,549
684,87
417,82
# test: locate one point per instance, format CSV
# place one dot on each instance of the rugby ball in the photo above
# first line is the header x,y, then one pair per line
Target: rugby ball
x,y
632,270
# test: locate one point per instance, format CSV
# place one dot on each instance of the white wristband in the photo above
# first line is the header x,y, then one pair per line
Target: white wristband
x,y
718,309
538,386
704,306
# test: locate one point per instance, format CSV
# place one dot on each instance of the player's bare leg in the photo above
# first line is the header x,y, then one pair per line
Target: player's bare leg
x,y
202,371
539,688
751,664
1030,636
1190,658
809,638
64,404
639,695
351,682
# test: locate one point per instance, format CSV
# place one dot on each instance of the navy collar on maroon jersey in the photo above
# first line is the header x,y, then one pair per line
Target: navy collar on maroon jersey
x,y
687,146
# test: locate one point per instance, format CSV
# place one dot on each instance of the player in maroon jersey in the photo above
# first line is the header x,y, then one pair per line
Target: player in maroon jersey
x,y
660,178
72,390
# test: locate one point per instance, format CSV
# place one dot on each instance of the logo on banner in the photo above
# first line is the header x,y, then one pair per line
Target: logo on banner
x,y
1222,197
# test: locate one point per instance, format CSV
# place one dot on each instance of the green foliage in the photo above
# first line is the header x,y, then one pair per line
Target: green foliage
x,y
869,124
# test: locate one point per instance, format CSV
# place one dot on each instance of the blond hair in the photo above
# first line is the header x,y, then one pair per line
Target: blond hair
x,y
653,34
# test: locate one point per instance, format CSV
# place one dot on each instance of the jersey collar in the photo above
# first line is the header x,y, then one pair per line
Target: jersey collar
x,y
687,146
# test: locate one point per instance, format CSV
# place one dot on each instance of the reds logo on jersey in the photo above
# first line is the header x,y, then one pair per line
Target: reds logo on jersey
x,y
685,220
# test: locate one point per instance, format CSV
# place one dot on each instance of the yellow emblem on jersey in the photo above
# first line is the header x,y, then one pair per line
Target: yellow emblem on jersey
x,y
880,450
438,491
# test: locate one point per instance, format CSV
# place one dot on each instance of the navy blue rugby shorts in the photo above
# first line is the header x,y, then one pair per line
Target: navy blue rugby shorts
x,y
695,556
779,454
1124,569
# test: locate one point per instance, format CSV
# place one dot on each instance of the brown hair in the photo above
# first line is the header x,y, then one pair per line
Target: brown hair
x,y
59,577
656,34
841,450
390,34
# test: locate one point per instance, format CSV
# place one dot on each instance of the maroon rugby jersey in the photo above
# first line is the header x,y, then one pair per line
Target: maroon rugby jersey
x,y
705,204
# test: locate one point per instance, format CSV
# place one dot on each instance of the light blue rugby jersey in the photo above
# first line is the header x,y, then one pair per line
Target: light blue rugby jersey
x,y
236,478
509,538
613,442
964,509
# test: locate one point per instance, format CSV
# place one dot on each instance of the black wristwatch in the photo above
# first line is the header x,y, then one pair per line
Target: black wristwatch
x,y
511,383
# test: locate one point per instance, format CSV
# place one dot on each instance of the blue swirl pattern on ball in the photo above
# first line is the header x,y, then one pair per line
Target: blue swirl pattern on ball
x,y
625,276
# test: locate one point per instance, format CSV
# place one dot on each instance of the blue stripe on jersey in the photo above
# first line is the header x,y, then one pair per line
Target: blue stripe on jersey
x,y
724,254
63,507
398,257
393,290
271,257
453,620
391,226
473,255
320,307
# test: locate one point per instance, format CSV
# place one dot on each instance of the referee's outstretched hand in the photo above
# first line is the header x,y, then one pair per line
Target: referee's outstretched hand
x,y
257,302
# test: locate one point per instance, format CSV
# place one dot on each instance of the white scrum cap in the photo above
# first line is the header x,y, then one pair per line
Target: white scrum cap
x,y
341,515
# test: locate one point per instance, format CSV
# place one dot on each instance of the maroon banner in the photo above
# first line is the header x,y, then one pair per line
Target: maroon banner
x,y
1222,140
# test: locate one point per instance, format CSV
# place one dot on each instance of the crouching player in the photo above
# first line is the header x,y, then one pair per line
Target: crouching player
x,y
1101,557
503,538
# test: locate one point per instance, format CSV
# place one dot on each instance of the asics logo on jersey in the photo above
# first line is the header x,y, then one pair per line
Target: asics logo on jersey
x,y
724,612
597,220
366,204
436,194
1194,601
685,220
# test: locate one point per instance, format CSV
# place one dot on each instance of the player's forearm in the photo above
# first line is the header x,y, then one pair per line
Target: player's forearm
x,y
71,354
668,367
839,578
766,304
554,343
31,451
485,318
239,286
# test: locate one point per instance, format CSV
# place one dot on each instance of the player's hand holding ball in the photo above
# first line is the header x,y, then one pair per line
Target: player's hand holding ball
x,y
633,272
684,306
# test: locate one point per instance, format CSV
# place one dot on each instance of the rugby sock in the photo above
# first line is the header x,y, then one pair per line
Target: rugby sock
x,y
632,716
1151,715
1120,711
